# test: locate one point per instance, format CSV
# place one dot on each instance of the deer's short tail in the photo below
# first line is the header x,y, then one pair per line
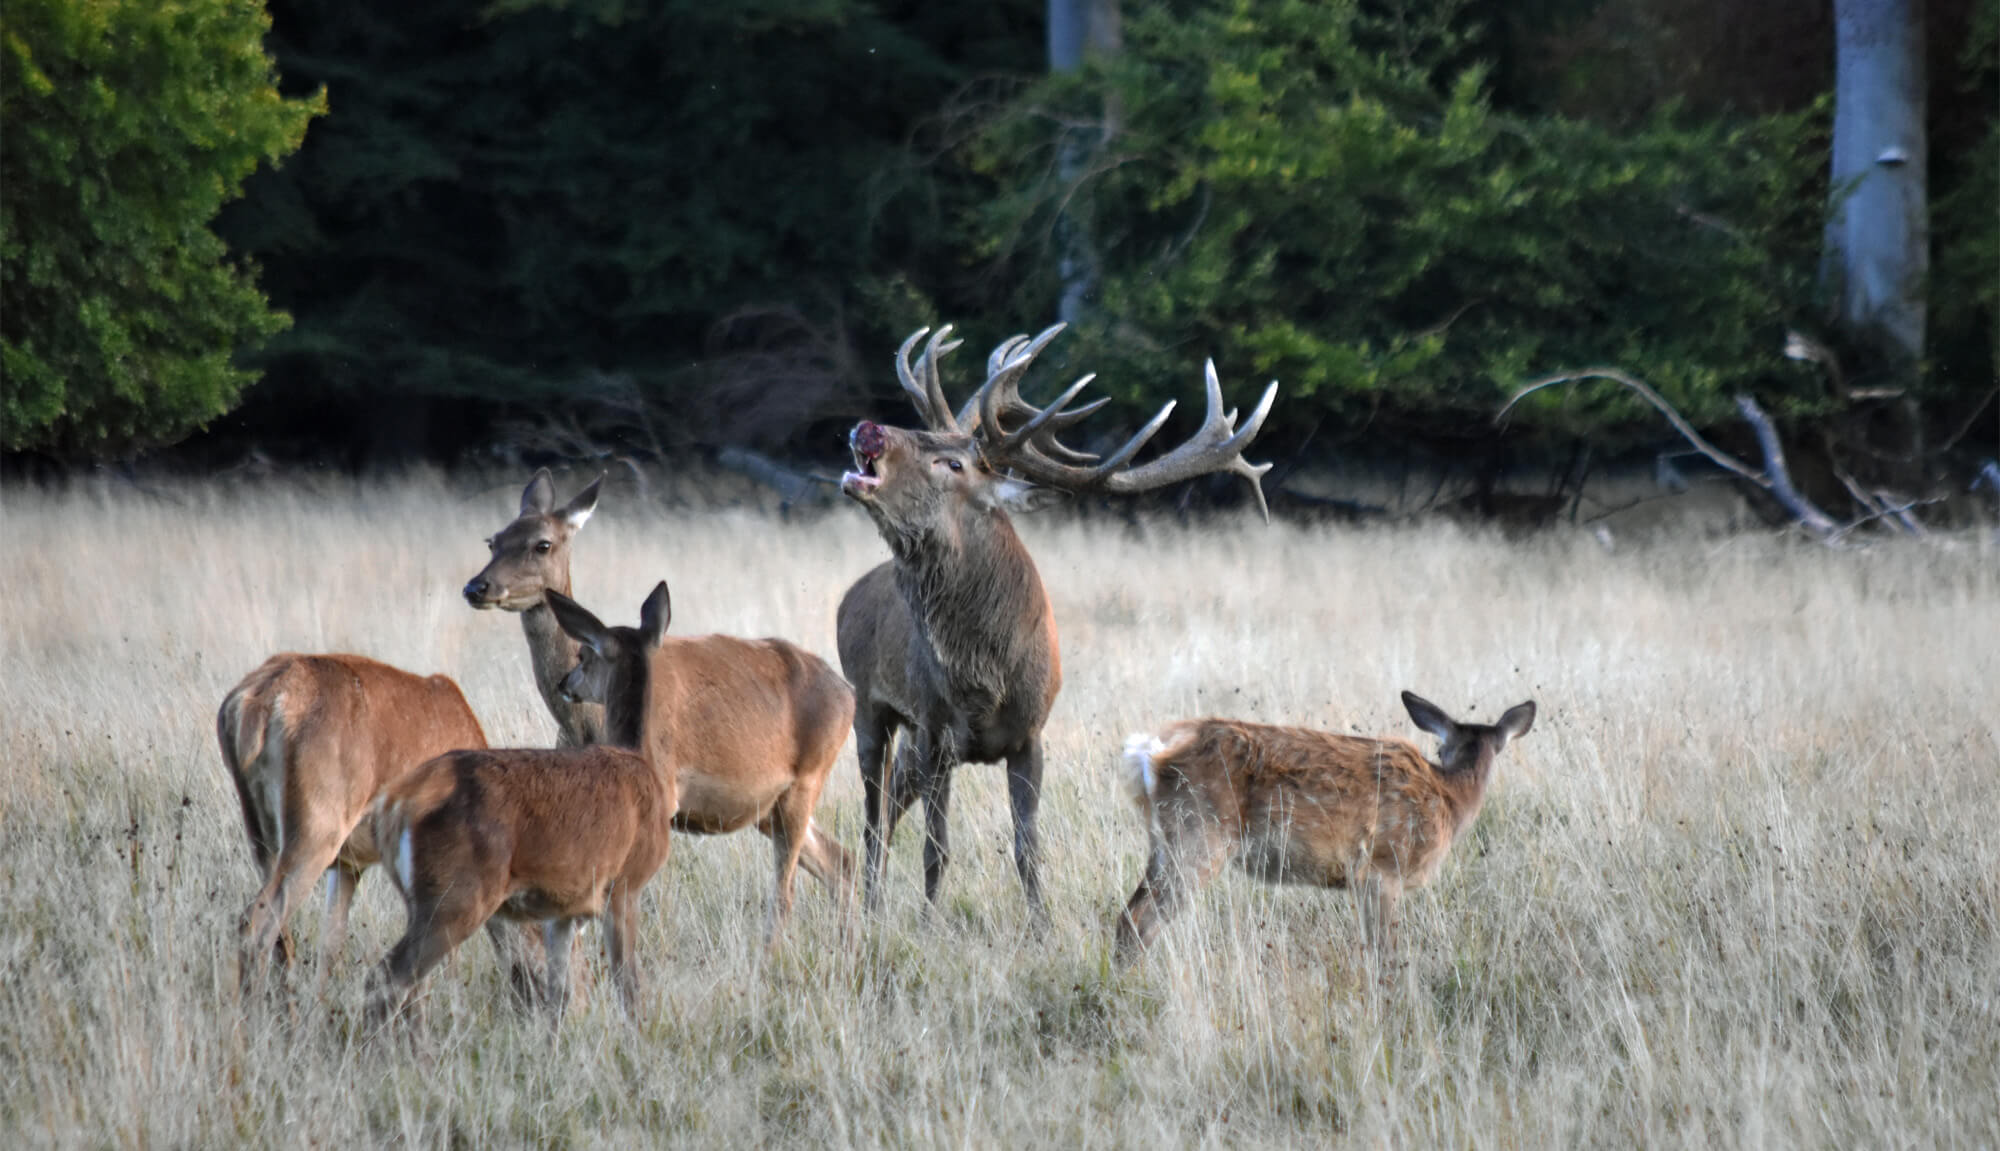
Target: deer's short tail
x,y
389,821
1141,778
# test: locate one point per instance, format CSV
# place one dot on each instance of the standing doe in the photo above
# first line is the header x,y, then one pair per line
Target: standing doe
x,y
528,557
1293,805
309,741
749,729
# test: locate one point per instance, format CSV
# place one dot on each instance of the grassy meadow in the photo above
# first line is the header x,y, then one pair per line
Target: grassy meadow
x,y
1740,885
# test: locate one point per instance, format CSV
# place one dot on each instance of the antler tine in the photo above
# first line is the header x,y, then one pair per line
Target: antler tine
x,y
933,384
1040,420
920,380
1216,447
1004,369
908,378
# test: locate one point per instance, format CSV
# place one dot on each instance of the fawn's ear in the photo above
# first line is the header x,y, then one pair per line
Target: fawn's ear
x,y
575,620
1429,716
655,614
1517,720
578,510
540,494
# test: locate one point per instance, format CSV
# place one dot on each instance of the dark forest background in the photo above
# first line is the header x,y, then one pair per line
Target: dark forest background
x,y
538,229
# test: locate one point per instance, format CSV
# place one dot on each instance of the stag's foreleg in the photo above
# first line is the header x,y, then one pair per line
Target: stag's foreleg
x,y
1024,796
874,741
936,782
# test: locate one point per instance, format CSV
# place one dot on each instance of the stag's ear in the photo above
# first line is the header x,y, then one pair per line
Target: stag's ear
x,y
1517,720
1429,716
1018,495
578,510
655,614
574,619
540,494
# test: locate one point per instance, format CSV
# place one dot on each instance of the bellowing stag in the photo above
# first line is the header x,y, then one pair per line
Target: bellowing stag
x,y
953,641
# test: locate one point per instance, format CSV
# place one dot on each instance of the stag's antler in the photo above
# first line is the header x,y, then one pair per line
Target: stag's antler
x,y
921,380
1013,433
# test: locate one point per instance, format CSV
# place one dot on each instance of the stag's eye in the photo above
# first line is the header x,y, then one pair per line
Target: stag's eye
x,y
954,465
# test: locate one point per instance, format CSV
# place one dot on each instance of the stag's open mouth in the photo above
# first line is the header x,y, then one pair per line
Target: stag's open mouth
x,y
867,441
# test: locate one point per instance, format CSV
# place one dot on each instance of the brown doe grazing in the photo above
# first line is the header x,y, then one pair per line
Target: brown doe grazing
x,y
531,556
953,641
1294,805
749,729
309,741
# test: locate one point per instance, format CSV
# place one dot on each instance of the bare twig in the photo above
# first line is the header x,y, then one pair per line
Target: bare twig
x,y
1775,478
1899,511
1779,481
1721,458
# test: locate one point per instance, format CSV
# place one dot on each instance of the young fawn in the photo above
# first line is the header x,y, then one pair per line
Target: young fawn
x,y
1293,805
547,837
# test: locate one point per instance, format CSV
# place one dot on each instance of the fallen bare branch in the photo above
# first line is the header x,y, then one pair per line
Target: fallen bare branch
x,y
1775,478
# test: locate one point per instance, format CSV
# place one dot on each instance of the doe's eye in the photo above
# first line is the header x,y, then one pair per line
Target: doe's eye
x,y
543,547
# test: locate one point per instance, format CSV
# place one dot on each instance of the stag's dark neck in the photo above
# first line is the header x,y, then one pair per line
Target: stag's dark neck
x,y
1465,780
553,653
976,596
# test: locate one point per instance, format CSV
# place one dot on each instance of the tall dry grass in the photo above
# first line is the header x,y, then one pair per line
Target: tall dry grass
x,y
1739,886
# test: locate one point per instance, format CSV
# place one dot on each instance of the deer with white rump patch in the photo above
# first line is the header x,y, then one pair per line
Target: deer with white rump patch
x,y
309,741
1294,805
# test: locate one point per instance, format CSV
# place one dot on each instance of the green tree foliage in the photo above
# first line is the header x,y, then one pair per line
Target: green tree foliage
x,y
128,124
1965,223
1324,192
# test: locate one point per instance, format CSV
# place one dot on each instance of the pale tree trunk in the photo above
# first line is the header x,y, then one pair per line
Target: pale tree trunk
x,y
1878,234
1078,30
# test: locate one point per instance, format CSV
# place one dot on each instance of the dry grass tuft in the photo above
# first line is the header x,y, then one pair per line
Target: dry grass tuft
x,y
1739,886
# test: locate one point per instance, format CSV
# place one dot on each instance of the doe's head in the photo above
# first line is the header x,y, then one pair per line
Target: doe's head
x,y
531,555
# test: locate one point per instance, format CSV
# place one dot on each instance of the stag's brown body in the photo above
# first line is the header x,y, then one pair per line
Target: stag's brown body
x,y
309,741
953,643
1294,805
529,557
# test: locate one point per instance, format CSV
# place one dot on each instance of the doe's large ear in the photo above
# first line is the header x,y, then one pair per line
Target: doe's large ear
x,y
655,614
1429,716
574,619
1516,721
1017,495
540,494
578,510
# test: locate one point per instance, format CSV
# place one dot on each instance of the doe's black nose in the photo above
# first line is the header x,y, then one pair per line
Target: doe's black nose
x,y
476,590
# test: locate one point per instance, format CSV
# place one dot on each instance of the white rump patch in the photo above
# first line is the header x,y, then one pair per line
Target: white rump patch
x,y
406,868
1140,778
